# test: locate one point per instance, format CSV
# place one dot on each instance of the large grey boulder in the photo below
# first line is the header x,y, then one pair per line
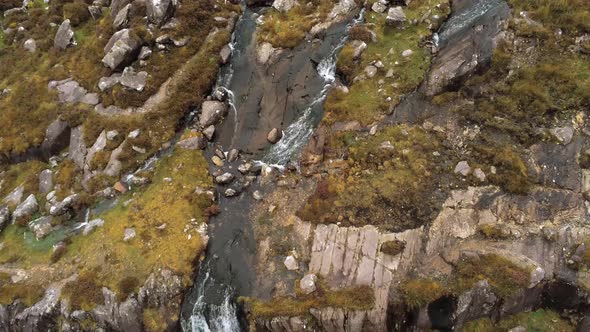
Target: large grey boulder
x,y
56,138
122,18
64,36
396,17
26,209
121,49
158,11
41,227
211,112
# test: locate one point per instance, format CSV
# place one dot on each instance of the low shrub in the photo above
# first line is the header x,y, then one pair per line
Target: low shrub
x,y
416,293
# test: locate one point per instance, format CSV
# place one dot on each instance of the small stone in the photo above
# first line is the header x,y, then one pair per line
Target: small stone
x,y
138,149
224,178
233,155
389,73
245,168
371,71
257,195
373,130
463,168
209,132
291,263
128,234
229,192
407,53
145,53
378,7
563,135
112,134
217,161
479,174
134,134
307,283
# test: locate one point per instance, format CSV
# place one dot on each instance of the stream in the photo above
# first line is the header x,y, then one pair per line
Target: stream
x,y
287,93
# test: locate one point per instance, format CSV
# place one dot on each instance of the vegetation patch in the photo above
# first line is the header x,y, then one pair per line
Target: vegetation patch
x,y
416,293
354,298
505,277
537,321
288,29
389,183
393,248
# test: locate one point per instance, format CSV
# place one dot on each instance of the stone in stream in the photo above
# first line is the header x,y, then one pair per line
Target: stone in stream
x,y
225,54
230,192
257,195
62,207
211,112
217,161
274,135
193,143
92,224
225,178
245,167
209,132
233,155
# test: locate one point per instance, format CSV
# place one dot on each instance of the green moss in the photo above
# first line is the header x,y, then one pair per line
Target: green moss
x,y
417,293
393,247
537,321
355,298
494,231
505,277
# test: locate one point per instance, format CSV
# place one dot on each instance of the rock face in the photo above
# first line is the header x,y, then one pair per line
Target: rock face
x,y
64,36
121,49
159,11
463,48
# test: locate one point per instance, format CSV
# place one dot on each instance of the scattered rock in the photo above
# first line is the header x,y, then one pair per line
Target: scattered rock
x,y
211,112
266,52
112,134
233,155
15,196
245,168
379,7
30,45
563,135
64,36
371,71
26,209
134,134
138,149
274,135
62,207
120,187
128,234
307,283
225,54
407,53
291,263
225,178
257,195
105,83
132,80
229,192
145,53
217,161
193,143
479,174
396,17
463,168
359,47
41,227
120,49
122,18
158,11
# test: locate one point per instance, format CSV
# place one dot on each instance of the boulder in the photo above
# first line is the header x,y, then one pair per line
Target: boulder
x,y
284,5
158,11
64,36
30,45
265,52
132,80
57,137
396,17
211,112
233,155
121,49
26,209
105,83
307,283
274,135
122,18
60,208
41,227
15,196
209,132
45,181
